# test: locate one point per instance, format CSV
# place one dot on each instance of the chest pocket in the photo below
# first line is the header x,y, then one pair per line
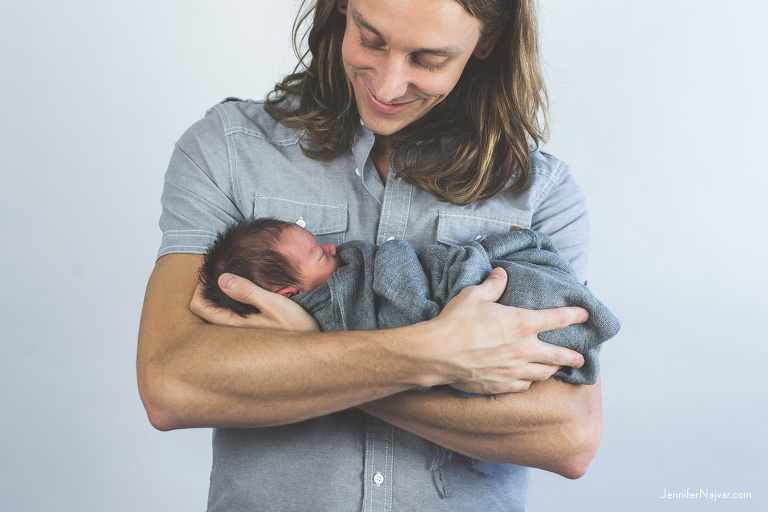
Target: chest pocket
x,y
453,227
327,222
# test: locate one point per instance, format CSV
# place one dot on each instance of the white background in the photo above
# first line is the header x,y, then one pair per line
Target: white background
x,y
659,106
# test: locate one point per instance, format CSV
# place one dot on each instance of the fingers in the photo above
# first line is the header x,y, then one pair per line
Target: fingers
x,y
211,313
511,380
561,318
197,306
536,351
277,312
493,287
549,320
515,381
535,372
243,290
531,321
560,356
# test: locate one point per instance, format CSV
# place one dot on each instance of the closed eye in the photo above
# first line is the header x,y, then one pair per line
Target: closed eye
x,y
428,62
369,46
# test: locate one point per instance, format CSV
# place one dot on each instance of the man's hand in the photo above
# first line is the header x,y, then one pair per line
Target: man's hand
x,y
494,349
277,312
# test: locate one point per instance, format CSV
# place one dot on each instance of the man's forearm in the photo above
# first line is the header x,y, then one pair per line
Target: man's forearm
x,y
194,374
251,384
553,426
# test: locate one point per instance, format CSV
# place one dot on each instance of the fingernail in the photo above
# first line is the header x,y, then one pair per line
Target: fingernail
x,y
225,281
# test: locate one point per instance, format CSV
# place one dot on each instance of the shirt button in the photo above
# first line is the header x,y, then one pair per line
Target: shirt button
x,y
390,238
378,479
357,171
301,222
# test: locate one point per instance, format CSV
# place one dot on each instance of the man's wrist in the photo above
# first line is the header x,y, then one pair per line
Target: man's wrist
x,y
415,346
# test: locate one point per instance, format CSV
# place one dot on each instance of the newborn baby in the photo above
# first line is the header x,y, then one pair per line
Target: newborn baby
x,y
278,256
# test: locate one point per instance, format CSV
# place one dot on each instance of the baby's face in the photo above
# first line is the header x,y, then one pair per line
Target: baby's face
x,y
314,261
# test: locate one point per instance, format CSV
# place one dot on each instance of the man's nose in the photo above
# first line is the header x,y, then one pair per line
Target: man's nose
x,y
393,80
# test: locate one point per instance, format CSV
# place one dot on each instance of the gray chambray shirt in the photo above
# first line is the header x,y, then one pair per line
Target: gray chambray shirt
x,y
236,163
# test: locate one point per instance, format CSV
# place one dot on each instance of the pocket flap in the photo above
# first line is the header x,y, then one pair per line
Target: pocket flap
x,y
328,221
453,227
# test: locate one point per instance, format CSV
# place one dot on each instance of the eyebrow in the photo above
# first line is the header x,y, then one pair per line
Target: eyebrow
x,y
446,51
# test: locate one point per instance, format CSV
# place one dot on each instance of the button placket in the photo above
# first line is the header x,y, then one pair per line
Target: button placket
x,y
379,466
395,210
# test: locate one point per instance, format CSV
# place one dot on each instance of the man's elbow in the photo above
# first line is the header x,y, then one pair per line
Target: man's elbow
x,y
570,459
569,443
160,417
582,436
157,401
576,465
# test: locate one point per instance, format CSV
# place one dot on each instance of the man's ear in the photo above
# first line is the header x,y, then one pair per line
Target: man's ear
x,y
483,49
485,46
341,6
289,291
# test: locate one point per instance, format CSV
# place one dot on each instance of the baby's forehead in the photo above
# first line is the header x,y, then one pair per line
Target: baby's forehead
x,y
293,238
297,233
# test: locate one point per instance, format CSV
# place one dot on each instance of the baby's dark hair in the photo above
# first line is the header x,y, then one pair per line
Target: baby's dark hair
x,y
247,249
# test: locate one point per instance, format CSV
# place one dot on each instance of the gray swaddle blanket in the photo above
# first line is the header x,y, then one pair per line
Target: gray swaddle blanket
x,y
389,286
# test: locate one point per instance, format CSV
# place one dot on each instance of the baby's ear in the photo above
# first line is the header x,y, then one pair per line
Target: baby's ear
x,y
289,291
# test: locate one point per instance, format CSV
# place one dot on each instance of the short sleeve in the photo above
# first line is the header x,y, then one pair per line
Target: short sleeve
x,y
199,199
562,215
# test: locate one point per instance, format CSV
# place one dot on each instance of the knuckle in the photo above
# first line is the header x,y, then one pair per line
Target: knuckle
x,y
519,386
563,318
562,357
547,372
500,387
521,353
557,358
495,284
244,291
471,292
238,290
524,324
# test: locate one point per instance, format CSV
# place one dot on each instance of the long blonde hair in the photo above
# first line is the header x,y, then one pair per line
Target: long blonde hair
x,y
484,128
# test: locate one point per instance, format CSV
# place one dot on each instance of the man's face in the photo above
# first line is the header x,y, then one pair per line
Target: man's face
x,y
314,261
403,57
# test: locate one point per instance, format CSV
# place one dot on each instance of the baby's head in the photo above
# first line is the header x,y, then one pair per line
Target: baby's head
x,y
278,256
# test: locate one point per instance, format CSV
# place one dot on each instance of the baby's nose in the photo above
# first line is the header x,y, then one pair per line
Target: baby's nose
x,y
330,249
